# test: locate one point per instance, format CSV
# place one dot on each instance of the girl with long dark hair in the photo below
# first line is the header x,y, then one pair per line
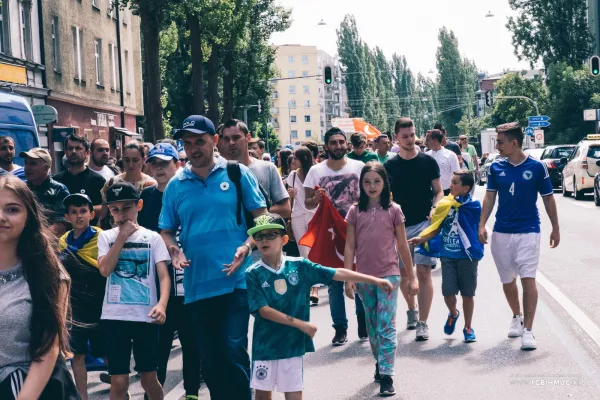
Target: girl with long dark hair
x,y
302,161
284,154
34,299
375,235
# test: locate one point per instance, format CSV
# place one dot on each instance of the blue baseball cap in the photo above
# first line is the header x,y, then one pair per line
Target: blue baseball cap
x,y
163,151
196,124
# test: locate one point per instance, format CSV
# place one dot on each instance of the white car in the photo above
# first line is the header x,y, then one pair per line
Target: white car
x,y
581,167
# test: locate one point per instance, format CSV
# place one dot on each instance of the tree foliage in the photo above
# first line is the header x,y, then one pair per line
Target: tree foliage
x,y
511,110
551,31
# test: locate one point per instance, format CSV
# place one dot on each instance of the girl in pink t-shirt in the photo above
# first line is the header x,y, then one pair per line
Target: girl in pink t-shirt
x,y
375,231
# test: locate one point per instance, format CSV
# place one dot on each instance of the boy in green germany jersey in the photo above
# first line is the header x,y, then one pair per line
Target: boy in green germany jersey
x,y
278,295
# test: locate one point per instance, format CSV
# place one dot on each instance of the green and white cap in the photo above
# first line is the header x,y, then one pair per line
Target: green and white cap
x,y
267,221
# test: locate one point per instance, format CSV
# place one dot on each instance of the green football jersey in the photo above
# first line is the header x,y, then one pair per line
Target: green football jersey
x,y
364,157
286,290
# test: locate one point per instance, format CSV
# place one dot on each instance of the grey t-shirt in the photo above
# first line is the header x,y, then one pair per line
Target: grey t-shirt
x,y
15,330
268,177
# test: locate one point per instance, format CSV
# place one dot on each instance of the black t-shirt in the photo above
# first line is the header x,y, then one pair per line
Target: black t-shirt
x,y
410,182
148,216
87,182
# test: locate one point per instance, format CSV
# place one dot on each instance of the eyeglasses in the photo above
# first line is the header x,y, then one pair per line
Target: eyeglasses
x,y
268,236
463,138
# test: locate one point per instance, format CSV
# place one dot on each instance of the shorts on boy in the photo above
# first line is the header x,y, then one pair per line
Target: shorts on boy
x,y
459,275
122,337
516,255
287,375
418,259
80,335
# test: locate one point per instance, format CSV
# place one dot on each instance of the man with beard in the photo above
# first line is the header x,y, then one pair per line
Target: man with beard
x,y
79,178
334,177
416,187
233,145
201,201
7,157
99,154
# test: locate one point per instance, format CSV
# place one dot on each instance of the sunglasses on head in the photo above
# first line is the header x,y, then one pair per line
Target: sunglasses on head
x,y
268,236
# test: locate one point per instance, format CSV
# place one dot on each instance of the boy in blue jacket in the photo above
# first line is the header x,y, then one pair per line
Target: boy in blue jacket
x,y
457,219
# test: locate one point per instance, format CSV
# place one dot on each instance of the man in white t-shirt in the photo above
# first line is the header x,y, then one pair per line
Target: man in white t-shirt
x,y
339,178
446,159
132,257
99,154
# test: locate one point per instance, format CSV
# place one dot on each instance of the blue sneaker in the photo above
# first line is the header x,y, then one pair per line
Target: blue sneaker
x,y
469,335
451,323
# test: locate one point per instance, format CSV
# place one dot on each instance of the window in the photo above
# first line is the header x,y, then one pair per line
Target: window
x,y
98,61
306,89
114,66
292,118
79,68
307,118
4,28
306,103
292,89
275,95
26,47
292,104
95,4
126,77
304,74
111,10
304,60
294,134
308,133
291,74
124,16
290,59
56,44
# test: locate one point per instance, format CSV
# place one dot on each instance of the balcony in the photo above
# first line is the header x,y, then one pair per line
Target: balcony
x,y
275,110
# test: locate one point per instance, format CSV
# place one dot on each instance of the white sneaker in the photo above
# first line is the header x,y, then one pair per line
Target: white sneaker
x,y
422,332
528,340
516,327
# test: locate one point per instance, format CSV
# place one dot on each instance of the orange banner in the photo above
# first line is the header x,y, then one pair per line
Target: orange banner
x,y
13,74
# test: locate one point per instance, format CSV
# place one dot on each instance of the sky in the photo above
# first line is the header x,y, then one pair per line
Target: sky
x,y
409,28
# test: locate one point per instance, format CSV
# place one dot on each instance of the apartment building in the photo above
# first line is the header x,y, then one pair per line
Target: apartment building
x,y
302,104
21,64
93,68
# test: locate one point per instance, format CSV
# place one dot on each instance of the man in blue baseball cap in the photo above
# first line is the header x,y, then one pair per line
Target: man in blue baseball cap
x,y
202,201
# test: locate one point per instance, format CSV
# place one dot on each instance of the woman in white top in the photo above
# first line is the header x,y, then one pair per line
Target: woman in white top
x,y
302,161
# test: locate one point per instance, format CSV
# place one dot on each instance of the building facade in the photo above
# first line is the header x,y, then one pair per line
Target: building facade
x,y
21,61
93,68
302,105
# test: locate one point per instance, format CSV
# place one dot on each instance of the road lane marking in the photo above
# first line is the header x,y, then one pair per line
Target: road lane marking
x,y
575,312
584,205
176,393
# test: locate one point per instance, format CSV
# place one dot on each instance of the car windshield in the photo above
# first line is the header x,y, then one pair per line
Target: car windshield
x,y
561,152
24,141
535,153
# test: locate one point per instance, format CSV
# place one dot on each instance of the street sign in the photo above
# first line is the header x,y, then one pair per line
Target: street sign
x,y
44,115
590,115
541,124
529,131
539,118
539,137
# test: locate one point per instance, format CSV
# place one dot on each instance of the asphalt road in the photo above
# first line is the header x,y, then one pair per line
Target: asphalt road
x,y
565,365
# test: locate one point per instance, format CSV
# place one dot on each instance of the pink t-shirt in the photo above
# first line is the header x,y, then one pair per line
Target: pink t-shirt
x,y
376,239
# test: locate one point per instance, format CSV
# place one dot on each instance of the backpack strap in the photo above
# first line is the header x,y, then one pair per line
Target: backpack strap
x,y
234,172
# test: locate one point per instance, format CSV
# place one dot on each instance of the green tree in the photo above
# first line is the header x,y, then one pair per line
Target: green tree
x,y
268,134
473,126
551,31
456,82
511,110
571,90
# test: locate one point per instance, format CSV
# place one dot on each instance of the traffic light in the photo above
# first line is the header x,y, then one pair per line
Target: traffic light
x,y
328,75
259,107
489,98
595,65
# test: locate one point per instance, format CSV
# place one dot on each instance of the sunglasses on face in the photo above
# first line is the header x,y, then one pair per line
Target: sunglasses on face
x,y
268,236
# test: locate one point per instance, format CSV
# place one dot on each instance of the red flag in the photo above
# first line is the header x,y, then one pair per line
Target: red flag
x,y
326,236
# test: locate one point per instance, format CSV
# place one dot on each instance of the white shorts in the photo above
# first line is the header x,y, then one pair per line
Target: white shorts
x,y
286,374
516,254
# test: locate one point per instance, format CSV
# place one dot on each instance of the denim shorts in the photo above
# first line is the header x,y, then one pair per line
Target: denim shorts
x,y
122,337
418,259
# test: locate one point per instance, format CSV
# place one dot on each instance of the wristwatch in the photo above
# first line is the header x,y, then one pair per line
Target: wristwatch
x,y
249,246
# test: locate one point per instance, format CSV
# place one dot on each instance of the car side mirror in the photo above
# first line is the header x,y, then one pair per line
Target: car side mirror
x,y
563,160
598,163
